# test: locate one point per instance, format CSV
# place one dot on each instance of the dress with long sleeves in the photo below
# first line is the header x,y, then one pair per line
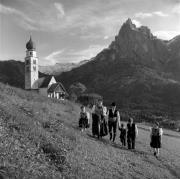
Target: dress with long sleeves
x,y
83,120
99,124
156,134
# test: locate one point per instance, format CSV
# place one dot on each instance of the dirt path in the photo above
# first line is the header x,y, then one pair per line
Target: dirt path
x,y
93,158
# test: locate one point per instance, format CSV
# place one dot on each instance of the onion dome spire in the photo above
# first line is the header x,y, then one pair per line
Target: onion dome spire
x,y
30,45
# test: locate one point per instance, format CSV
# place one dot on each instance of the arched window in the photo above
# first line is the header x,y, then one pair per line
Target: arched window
x,y
27,62
34,68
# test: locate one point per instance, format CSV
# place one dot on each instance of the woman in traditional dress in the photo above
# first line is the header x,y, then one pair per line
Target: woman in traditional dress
x,y
156,137
99,124
84,119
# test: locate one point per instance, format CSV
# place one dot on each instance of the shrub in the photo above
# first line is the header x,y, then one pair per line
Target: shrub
x,y
89,99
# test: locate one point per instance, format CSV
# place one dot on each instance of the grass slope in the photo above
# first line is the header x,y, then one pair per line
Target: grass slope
x,y
40,139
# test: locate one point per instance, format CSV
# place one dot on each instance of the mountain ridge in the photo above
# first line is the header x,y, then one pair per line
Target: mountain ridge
x,y
58,68
137,69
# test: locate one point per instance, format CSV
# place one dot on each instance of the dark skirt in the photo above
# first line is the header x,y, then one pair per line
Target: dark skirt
x,y
99,126
95,123
83,123
155,142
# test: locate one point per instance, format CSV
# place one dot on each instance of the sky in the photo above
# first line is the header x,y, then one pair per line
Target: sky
x,y
75,30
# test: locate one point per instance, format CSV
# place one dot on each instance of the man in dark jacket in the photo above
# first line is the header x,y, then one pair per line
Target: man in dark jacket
x,y
132,133
113,120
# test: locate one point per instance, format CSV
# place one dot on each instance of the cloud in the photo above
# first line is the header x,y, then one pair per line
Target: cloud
x,y
105,22
106,37
176,9
136,22
52,57
72,55
143,15
161,14
166,35
87,53
9,10
25,21
60,9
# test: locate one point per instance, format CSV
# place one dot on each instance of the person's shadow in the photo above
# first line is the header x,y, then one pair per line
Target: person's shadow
x,y
100,139
118,146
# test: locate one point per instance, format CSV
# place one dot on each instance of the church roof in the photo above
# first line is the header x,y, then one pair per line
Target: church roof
x,y
44,81
57,87
30,45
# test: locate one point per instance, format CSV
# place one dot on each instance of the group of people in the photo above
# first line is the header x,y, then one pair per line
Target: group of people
x,y
106,121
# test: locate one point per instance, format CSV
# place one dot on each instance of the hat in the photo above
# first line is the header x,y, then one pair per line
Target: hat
x,y
113,104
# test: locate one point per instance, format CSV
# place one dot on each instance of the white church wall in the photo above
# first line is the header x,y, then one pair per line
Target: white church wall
x,y
31,71
52,81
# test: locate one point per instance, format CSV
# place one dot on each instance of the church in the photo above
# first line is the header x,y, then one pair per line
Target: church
x,y
47,85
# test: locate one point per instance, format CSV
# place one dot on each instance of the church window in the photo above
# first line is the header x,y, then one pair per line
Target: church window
x,y
34,61
30,53
34,68
27,62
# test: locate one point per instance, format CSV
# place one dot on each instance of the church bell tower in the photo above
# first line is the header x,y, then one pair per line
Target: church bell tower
x,y
31,67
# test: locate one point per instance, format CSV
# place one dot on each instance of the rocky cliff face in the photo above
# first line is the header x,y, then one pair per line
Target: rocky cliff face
x,y
173,65
136,70
140,45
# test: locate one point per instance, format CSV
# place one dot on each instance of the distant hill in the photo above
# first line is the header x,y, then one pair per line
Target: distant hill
x,y
138,70
173,65
12,73
58,68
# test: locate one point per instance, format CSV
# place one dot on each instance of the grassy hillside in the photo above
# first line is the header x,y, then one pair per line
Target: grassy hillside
x,y
40,139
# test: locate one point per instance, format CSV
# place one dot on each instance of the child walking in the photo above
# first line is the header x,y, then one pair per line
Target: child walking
x,y
132,132
156,135
123,134
84,119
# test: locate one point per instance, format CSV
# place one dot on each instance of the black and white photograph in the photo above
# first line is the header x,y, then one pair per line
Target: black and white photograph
x,y
89,89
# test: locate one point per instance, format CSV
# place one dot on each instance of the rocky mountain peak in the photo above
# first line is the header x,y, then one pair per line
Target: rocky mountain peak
x,y
128,25
146,31
129,21
139,44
